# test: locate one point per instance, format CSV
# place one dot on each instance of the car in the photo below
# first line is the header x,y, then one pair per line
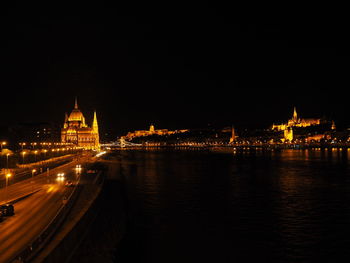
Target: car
x,y
7,209
69,183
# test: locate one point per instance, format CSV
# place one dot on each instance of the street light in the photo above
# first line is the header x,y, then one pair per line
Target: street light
x,y
33,171
35,153
22,144
7,161
45,151
3,144
7,180
23,154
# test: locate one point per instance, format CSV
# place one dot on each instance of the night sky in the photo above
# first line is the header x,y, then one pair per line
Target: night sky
x,y
183,67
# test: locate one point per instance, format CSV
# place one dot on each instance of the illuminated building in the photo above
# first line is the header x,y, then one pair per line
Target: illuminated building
x,y
151,131
233,135
76,131
288,134
296,122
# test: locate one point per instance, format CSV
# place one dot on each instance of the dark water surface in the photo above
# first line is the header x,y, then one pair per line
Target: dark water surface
x,y
221,206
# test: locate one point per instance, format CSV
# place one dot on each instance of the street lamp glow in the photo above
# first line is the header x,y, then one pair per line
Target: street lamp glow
x,y
8,175
23,154
3,144
33,171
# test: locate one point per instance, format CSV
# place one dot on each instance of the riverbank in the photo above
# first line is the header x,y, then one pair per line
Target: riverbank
x,y
109,226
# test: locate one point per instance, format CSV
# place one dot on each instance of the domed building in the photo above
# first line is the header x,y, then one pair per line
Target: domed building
x,y
76,131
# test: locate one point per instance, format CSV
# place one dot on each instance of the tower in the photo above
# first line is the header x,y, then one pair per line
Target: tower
x,y
95,132
76,103
233,135
295,115
65,121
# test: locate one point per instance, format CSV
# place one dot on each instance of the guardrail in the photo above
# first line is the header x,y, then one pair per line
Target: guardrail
x,y
45,236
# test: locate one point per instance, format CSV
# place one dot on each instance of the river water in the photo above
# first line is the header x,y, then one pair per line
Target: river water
x,y
226,206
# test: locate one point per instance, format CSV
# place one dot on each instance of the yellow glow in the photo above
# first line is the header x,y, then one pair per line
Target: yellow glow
x,y
8,175
52,188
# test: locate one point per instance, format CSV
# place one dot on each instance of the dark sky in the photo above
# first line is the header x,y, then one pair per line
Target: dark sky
x,y
182,67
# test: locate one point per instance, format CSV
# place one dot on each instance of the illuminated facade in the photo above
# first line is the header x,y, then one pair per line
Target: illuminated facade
x,y
76,131
296,122
288,134
151,131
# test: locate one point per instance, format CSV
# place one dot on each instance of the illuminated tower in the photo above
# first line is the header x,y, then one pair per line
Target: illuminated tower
x,y
295,115
95,132
151,128
65,121
233,135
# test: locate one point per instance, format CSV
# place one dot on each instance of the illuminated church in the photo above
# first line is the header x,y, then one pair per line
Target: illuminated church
x,y
76,131
295,121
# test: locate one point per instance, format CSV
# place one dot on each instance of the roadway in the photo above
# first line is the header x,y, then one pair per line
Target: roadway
x,y
35,212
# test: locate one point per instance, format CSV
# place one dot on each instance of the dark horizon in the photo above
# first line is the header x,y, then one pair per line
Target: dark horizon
x,y
188,68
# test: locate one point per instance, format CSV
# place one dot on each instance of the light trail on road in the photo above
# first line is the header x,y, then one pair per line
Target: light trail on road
x,y
33,213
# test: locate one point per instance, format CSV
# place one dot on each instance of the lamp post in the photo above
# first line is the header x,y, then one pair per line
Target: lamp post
x,y
23,154
22,144
7,161
3,144
33,171
8,175
35,153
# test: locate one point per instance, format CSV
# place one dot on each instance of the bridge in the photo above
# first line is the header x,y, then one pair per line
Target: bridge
x,y
121,143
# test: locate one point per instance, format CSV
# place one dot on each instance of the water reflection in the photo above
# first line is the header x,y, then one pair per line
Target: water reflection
x,y
238,206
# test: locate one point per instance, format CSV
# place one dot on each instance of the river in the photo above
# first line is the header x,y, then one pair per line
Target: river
x,y
226,206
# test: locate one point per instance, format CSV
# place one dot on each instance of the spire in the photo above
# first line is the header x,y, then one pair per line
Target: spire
x,y
295,115
94,123
76,103
95,131
233,135
65,125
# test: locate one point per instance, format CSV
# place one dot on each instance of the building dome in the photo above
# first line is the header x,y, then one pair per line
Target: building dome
x,y
76,115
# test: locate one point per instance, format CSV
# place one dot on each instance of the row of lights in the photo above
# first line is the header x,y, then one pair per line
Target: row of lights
x,y
33,144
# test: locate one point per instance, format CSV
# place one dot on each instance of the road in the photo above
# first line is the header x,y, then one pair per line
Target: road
x,y
35,212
